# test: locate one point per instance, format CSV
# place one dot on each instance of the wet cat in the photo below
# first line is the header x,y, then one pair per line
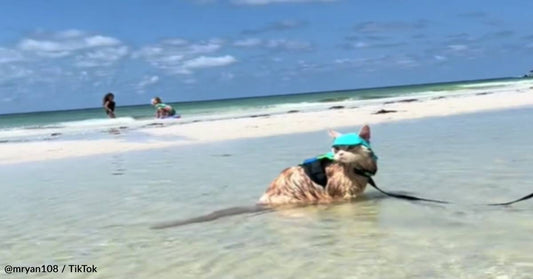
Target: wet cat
x,y
350,151
295,187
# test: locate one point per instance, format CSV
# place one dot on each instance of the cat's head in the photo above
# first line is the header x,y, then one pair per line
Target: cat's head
x,y
354,149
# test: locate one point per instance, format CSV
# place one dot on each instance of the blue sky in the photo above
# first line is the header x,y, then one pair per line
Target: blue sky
x,y
62,54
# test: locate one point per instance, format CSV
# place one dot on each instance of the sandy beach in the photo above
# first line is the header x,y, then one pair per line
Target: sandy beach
x,y
267,125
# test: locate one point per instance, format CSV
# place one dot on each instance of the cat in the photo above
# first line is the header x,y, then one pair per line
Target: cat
x,y
295,186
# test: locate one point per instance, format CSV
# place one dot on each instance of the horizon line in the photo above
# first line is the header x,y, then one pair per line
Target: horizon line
x,y
274,95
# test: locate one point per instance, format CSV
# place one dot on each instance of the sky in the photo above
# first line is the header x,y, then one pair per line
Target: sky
x,y
63,54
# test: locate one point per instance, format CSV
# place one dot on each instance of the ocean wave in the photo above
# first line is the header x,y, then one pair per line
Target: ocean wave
x,y
334,99
494,84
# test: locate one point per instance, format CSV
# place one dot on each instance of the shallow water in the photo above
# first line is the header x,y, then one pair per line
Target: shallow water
x,y
98,210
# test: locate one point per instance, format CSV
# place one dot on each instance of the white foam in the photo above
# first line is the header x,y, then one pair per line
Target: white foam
x,y
69,128
98,122
498,84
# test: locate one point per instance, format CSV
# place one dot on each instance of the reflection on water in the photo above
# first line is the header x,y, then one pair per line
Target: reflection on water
x,y
98,210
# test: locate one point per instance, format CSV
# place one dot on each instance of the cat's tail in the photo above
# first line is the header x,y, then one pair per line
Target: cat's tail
x,y
232,211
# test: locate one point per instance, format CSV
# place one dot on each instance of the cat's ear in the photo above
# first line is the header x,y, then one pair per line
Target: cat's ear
x,y
334,134
364,133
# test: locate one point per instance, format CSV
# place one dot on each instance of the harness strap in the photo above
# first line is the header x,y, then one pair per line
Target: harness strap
x,y
315,169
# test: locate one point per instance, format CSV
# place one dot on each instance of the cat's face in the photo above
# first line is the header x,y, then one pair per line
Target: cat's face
x,y
351,154
359,155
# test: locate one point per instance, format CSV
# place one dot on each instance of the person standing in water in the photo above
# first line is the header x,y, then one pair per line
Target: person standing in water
x,y
109,104
162,110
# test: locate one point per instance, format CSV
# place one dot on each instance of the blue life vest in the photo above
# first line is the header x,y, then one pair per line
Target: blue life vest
x,y
315,168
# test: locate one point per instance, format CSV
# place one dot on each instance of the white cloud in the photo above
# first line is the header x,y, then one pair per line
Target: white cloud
x,y
57,54
10,72
406,62
303,65
65,43
76,47
34,45
360,45
147,80
204,48
104,72
101,41
177,47
10,55
266,2
83,76
173,58
371,64
176,41
208,62
458,47
278,44
342,61
108,53
178,56
7,99
101,57
459,50
251,42
288,44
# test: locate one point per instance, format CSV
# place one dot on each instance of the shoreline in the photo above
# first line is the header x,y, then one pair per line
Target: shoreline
x,y
264,125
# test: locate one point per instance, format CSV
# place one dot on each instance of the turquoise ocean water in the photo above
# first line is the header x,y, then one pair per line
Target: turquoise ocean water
x,y
98,210
87,122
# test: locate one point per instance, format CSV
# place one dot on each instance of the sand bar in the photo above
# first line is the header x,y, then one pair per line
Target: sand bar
x,y
219,130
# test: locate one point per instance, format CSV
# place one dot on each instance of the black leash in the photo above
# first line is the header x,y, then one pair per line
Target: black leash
x,y
515,201
401,196
413,198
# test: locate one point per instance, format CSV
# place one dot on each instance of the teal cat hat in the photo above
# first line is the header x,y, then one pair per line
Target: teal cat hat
x,y
350,140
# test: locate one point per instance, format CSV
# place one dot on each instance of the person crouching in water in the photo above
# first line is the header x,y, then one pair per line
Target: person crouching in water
x,y
109,104
162,110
